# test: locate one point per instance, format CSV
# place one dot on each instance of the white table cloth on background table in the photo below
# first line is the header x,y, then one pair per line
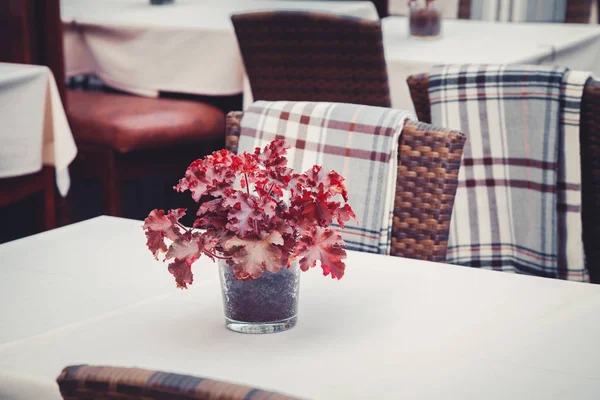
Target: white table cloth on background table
x,y
188,47
391,328
34,129
478,42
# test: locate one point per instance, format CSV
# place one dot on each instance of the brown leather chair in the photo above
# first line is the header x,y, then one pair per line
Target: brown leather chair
x,y
305,56
589,136
578,11
121,137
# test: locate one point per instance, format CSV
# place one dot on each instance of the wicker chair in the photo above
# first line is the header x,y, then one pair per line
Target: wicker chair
x,y
428,163
303,56
84,382
589,136
382,7
578,11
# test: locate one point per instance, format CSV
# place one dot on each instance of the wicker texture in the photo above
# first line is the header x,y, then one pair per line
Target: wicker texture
x,y
428,164
303,56
578,11
383,8
464,9
589,136
83,382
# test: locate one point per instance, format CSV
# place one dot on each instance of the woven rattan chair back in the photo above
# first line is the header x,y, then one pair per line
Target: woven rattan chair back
x,y
303,56
426,182
464,9
83,382
382,7
589,137
578,11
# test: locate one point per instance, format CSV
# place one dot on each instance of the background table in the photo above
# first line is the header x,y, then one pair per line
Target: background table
x,y
478,42
187,47
34,129
391,328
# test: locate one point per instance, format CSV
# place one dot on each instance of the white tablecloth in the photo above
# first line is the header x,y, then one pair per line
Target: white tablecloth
x,y
189,46
391,328
463,42
33,127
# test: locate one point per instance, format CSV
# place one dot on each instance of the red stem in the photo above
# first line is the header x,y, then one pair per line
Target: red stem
x,y
270,190
183,227
216,256
247,184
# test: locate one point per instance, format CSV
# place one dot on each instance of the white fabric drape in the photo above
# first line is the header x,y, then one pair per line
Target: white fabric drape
x,y
34,129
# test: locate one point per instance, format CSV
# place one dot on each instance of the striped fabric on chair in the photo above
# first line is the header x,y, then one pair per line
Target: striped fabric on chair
x,y
86,382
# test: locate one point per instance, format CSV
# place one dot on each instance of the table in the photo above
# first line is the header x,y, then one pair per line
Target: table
x,y
480,42
391,328
187,47
34,129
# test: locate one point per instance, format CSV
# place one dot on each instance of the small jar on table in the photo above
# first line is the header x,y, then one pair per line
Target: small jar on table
x,y
425,19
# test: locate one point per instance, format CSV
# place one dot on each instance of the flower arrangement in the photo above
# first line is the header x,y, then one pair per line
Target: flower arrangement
x,y
255,213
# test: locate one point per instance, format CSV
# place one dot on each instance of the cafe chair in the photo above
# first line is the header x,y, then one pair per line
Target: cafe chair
x,y
306,56
119,137
578,11
589,136
426,182
87,382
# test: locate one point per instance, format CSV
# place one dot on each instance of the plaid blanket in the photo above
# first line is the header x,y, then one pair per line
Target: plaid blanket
x,y
520,10
359,142
518,204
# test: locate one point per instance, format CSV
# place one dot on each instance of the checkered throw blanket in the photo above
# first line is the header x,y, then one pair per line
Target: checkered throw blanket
x,y
518,204
359,142
520,10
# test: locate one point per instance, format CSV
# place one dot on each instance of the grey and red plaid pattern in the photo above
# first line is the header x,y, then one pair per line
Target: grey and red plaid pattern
x,y
519,10
359,142
518,204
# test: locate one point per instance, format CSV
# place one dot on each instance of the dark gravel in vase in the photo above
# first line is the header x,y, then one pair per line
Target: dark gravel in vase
x,y
264,305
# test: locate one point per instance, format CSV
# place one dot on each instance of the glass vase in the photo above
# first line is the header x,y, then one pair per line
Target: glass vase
x,y
425,19
265,305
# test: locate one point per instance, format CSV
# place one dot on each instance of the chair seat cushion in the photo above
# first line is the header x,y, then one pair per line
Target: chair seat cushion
x,y
128,123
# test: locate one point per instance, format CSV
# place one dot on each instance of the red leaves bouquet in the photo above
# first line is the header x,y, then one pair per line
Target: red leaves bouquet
x,y
256,214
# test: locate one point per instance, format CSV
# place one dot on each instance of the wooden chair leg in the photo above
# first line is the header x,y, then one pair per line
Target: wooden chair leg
x,y
49,199
112,188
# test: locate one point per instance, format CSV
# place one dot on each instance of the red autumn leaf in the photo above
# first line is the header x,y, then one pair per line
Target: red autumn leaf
x,y
252,256
159,226
325,246
214,171
344,214
182,273
242,213
315,208
273,155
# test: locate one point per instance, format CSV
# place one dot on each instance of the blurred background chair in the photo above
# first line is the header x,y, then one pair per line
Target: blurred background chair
x,y
589,136
578,11
426,182
303,56
86,382
382,7
16,20
119,137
